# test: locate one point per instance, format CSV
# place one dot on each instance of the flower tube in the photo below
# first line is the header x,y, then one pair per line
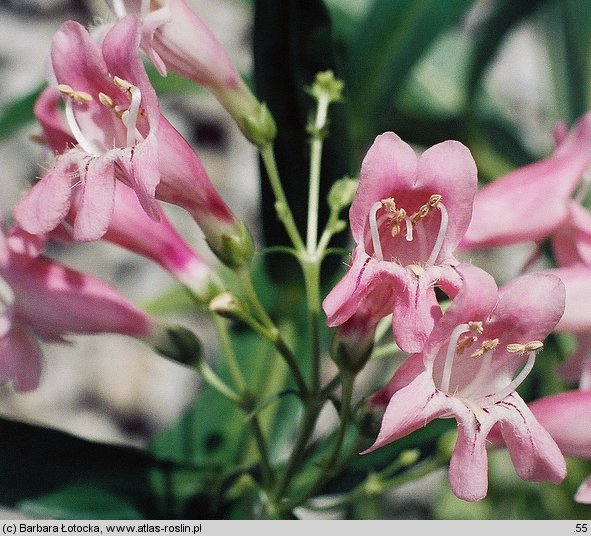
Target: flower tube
x,y
42,299
174,37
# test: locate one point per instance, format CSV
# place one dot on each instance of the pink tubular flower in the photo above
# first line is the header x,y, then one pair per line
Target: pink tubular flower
x,y
567,418
544,190
479,352
113,115
131,228
174,37
41,298
407,218
183,182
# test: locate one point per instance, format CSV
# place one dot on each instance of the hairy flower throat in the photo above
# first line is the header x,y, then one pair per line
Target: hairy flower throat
x,y
394,217
129,116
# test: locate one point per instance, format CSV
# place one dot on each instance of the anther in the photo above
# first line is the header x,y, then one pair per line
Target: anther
x,y
134,108
106,100
487,346
78,96
434,200
476,326
532,346
466,342
123,84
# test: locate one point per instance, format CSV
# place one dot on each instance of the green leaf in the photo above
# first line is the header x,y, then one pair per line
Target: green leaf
x,y
292,42
390,40
48,472
18,114
567,29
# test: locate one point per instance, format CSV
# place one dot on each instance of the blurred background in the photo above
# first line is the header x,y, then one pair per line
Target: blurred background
x,y
495,74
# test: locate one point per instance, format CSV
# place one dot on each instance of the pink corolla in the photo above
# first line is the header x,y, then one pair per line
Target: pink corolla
x,y
532,202
174,37
42,299
112,113
477,355
407,218
132,229
567,418
183,181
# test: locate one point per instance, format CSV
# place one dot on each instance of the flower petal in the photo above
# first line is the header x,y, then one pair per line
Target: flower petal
x,y
409,409
46,204
389,164
55,300
534,453
449,170
543,189
529,307
96,199
583,494
20,358
468,467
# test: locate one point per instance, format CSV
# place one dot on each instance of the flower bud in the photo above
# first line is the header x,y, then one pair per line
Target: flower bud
x,y
179,344
228,306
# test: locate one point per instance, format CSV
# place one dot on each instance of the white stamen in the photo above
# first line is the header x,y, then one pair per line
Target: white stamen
x,y
506,391
125,121
408,228
119,8
76,132
375,234
450,355
134,107
145,9
440,236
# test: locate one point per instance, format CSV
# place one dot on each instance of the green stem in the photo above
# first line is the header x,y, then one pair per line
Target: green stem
x,y
266,467
213,380
312,410
315,163
245,399
268,330
330,465
228,352
281,204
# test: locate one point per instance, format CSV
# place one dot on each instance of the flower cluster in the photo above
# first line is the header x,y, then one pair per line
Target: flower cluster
x,y
468,345
408,218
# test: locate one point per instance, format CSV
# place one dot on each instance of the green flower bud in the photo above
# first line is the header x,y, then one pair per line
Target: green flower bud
x,y
179,344
228,306
235,249
341,193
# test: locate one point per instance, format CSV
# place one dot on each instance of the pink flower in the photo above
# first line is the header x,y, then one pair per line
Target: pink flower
x,y
113,115
571,246
479,352
131,228
40,298
571,243
532,202
183,182
577,320
174,37
567,417
407,218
